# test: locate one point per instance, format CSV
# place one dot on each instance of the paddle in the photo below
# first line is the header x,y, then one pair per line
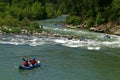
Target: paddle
x,y
23,59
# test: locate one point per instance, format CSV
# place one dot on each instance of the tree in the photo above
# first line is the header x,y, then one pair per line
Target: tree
x,y
50,10
37,10
104,4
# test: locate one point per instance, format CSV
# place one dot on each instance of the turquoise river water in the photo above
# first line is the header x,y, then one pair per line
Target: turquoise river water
x,y
90,57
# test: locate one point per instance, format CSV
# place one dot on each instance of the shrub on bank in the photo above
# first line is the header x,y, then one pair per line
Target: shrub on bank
x,y
75,20
90,22
118,21
12,25
100,19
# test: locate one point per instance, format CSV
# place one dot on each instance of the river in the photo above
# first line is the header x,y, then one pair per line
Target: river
x,y
90,57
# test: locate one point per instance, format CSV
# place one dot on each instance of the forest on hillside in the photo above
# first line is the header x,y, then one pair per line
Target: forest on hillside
x,y
95,12
92,11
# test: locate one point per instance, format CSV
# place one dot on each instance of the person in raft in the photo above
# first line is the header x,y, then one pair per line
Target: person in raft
x,y
25,63
33,61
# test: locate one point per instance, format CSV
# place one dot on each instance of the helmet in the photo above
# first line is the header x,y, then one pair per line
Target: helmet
x,y
26,60
33,58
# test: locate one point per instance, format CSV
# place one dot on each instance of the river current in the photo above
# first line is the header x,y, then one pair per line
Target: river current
x,y
89,57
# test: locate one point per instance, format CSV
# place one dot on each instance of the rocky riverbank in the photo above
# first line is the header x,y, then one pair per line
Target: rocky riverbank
x,y
37,32
50,34
109,28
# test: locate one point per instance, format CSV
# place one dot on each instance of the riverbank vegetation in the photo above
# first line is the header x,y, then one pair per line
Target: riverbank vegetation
x,y
19,15
98,11
96,15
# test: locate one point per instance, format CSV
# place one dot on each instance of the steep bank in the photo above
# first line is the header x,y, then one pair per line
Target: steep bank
x,y
109,28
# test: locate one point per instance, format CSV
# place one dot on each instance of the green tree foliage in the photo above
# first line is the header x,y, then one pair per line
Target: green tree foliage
x,y
37,11
19,14
50,10
100,10
75,20
90,22
3,6
115,10
63,8
104,4
32,9
100,19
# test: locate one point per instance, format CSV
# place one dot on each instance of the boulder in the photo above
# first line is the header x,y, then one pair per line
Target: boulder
x,y
93,29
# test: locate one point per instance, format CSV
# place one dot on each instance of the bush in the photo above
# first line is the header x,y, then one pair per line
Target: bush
x,y
25,22
5,30
35,25
15,30
8,20
100,19
58,13
90,22
50,10
1,22
118,21
75,20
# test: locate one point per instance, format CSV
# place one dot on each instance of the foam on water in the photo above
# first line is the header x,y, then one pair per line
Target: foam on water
x,y
89,44
59,41
93,48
